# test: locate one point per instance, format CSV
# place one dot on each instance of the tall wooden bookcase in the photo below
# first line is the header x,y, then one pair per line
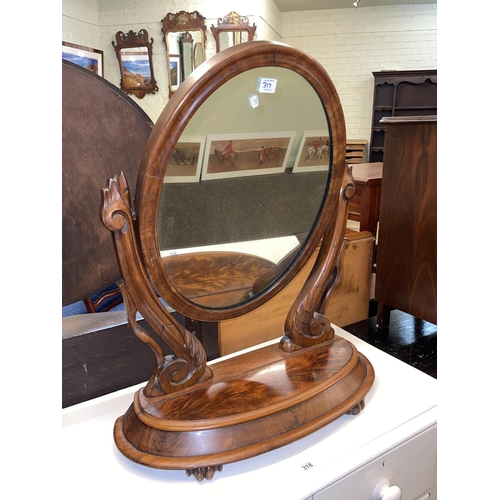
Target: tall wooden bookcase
x,y
400,93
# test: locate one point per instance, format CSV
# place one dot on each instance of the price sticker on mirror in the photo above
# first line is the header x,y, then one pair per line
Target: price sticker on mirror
x,y
267,85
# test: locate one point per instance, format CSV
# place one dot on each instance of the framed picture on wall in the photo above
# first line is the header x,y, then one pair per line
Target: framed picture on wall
x,y
186,160
86,57
314,152
238,155
175,71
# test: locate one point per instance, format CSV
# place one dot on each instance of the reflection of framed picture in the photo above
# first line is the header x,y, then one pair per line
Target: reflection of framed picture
x,y
314,152
86,57
238,155
186,160
175,71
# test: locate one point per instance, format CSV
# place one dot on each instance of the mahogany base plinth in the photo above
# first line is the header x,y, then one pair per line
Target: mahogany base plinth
x,y
255,402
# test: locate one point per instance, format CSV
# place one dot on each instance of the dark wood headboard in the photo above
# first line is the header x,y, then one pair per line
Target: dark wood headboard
x,y
103,131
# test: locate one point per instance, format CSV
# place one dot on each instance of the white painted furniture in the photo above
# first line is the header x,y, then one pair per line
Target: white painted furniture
x,y
386,452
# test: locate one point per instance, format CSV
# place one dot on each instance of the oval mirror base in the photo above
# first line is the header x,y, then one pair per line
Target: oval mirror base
x,y
265,400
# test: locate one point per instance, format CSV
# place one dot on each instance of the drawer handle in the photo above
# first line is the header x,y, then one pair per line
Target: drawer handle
x,y
384,491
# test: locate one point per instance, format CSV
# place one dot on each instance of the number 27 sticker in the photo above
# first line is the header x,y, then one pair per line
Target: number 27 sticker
x,y
267,85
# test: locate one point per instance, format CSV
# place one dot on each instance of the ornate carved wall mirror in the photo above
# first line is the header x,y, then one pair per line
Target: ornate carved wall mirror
x,y
231,30
185,38
135,57
192,415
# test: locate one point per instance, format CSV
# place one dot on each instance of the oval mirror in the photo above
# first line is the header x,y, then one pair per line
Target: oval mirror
x,y
236,180
252,142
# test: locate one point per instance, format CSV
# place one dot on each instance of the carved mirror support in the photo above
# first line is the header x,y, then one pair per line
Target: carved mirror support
x,y
135,57
231,30
184,34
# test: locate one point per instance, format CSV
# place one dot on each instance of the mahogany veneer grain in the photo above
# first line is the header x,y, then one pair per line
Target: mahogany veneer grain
x,y
268,399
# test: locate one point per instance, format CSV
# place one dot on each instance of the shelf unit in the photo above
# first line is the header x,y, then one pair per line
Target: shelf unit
x,y
400,93
356,151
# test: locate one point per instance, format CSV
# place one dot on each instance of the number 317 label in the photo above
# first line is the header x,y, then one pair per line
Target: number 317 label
x,y
267,85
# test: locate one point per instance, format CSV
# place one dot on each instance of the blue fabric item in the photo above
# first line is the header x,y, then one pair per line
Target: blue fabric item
x,y
75,308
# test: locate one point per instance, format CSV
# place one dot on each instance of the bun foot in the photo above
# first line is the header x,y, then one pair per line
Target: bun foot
x,y
356,410
202,473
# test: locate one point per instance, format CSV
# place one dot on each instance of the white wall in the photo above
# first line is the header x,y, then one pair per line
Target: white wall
x,y
111,16
80,23
352,43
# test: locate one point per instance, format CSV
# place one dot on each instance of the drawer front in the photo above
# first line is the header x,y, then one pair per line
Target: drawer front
x,y
411,466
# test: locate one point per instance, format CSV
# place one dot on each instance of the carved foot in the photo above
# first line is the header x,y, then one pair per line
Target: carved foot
x,y
356,410
202,473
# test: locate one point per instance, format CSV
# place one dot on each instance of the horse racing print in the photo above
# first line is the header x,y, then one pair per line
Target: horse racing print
x,y
238,155
314,152
186,160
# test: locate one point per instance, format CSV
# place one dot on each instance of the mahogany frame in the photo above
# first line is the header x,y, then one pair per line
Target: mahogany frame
x,y
257,401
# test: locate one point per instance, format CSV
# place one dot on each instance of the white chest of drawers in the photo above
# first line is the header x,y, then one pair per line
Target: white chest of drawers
x,y
392,440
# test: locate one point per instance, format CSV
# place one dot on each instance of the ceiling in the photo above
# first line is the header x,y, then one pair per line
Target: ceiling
x,y
293,5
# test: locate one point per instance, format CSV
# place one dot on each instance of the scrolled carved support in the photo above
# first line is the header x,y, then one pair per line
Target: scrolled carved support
x,y
305,326
188,363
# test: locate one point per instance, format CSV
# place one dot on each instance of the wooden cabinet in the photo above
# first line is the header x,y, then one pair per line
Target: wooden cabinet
x,y
400,93
407,239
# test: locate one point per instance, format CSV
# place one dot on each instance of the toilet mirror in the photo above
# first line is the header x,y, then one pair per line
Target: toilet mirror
x,y
265,119
231,30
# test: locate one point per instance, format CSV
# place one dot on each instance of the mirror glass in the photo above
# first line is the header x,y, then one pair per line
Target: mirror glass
x,y
243,187
198,54
229,38
181,54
